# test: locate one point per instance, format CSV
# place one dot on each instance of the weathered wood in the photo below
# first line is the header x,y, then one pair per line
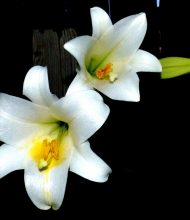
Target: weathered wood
x,y
68,63
48,51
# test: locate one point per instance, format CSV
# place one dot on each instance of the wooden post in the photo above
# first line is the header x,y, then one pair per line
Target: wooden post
x,y
48,51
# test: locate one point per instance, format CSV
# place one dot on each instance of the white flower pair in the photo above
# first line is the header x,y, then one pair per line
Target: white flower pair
x,y
48,136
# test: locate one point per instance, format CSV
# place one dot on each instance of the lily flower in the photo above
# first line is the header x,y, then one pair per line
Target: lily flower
x,y
48,136
110,59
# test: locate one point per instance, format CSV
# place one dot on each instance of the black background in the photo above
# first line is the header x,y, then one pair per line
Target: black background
x,y
145,143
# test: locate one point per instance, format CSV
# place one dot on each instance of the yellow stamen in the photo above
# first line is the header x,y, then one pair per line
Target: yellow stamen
x,y
46,148
49,151
101,73
55,149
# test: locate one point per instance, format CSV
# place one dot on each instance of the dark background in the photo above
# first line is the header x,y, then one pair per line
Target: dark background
x,y
145,143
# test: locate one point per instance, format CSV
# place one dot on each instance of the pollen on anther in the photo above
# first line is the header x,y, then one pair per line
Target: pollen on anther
x,y
46,148
55,149
101,73
50,149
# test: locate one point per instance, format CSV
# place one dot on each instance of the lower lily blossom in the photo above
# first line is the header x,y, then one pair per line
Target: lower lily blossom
x,y
110,59
48,136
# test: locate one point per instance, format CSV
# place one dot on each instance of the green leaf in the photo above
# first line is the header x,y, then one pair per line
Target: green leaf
x,y
174,66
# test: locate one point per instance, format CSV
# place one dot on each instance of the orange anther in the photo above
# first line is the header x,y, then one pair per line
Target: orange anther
x,y
104,71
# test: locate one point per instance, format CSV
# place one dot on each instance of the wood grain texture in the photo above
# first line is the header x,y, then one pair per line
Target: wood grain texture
x,y
48,51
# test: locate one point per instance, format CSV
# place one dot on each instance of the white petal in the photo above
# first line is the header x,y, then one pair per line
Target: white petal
x,y
84,111
123,40
132,30
100,21
80,83
78,47
24,110
11,159
36,86
46,189
14,131
68,107
125,88
145,62
88,165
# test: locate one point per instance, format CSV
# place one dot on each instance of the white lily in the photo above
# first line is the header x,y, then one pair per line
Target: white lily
x,y
110,58
47,137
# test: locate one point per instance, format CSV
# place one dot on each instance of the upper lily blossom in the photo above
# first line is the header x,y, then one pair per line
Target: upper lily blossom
x,y
110,58
48,136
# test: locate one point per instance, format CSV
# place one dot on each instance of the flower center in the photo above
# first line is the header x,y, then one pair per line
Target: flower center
x,y
49,152
51,148
101,73
106,72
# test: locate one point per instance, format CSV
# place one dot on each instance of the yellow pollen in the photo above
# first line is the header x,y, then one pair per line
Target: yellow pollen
x,y
55,149
101,73
49,153
50,149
